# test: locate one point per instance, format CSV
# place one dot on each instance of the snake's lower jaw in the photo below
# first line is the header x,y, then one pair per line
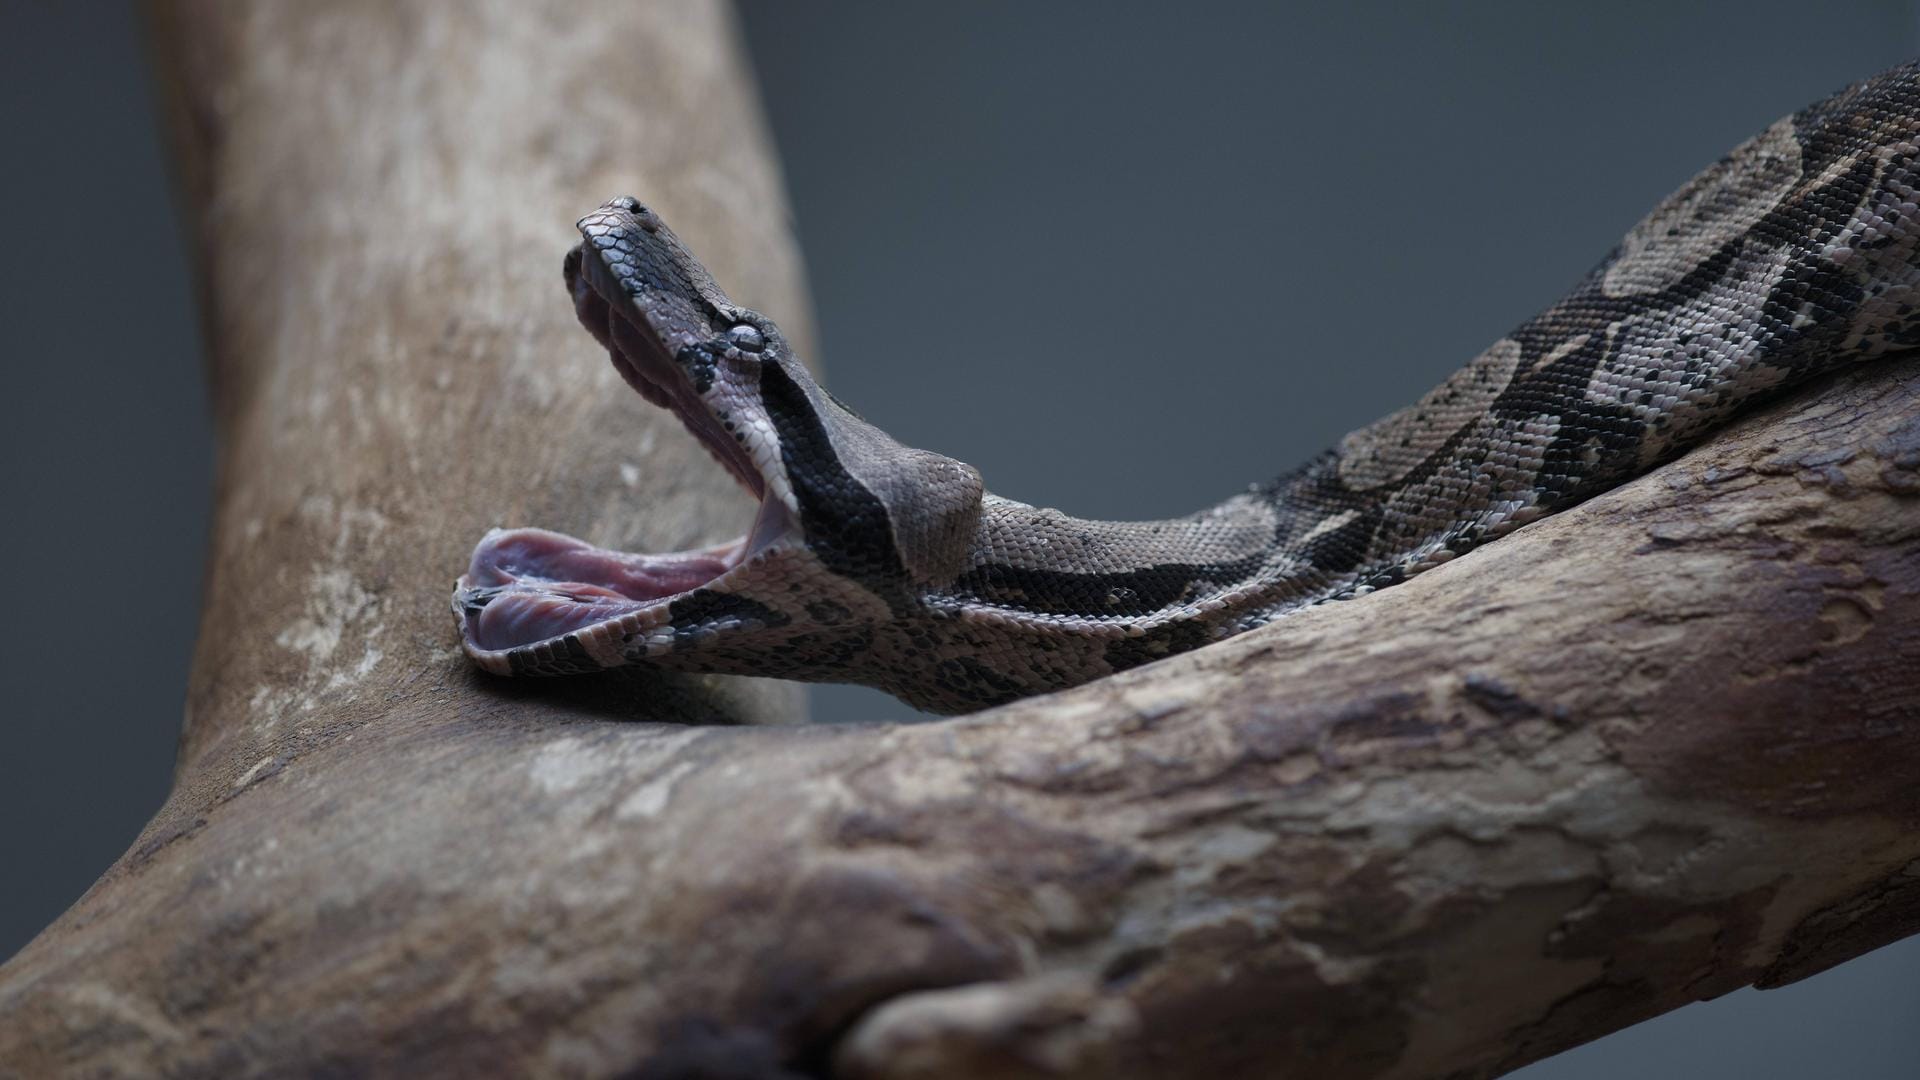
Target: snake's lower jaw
x,y
532,597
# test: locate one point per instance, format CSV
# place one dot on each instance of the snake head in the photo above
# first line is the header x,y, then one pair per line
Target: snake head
x,y
852,525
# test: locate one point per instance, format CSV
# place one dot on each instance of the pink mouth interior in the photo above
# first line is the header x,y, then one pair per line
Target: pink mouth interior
x,y
536,585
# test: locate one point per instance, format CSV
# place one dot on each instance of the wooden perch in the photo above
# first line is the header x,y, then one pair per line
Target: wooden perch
x,y
1660,746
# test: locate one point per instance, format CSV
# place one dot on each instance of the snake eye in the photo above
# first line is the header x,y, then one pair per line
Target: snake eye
x,y
746,338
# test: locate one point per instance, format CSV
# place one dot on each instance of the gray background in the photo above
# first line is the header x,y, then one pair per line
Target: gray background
x,y
1124,258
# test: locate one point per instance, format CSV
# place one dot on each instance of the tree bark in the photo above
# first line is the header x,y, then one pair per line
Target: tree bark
x,y
1652,749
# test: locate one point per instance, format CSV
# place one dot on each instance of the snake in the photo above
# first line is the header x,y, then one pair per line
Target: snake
x,y
872,562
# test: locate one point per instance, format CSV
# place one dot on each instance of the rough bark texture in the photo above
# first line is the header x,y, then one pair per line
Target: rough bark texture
x,y
1653,749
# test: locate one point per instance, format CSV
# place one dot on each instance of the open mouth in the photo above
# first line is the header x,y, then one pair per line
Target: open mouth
x,y
525,587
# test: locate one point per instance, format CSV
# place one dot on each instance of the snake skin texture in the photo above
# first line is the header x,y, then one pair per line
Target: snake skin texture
x,y
876,563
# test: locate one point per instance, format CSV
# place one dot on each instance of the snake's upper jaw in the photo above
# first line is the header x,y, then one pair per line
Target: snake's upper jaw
x,y
534,601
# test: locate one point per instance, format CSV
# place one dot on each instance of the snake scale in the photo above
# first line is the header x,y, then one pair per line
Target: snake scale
x,y
873,562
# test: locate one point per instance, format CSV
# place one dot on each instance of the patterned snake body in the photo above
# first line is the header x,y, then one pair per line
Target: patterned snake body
x,y
876,563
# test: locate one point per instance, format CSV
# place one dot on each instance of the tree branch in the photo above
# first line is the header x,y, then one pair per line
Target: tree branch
x,y
1652,749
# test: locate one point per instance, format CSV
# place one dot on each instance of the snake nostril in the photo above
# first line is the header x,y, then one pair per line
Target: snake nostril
x,y
628,203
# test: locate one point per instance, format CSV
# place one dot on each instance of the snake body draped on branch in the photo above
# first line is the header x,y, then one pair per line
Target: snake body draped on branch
x,y
876,563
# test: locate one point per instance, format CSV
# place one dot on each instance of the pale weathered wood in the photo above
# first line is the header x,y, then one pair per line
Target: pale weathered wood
x,y
1655,748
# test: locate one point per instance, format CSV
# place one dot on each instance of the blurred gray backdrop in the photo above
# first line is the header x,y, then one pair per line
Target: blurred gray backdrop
x,y
1125,258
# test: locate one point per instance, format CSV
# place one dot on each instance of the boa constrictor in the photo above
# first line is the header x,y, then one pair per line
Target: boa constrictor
x,y
873,562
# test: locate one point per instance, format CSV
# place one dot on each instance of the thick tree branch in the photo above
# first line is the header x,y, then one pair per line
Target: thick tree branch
x,y
1660,746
